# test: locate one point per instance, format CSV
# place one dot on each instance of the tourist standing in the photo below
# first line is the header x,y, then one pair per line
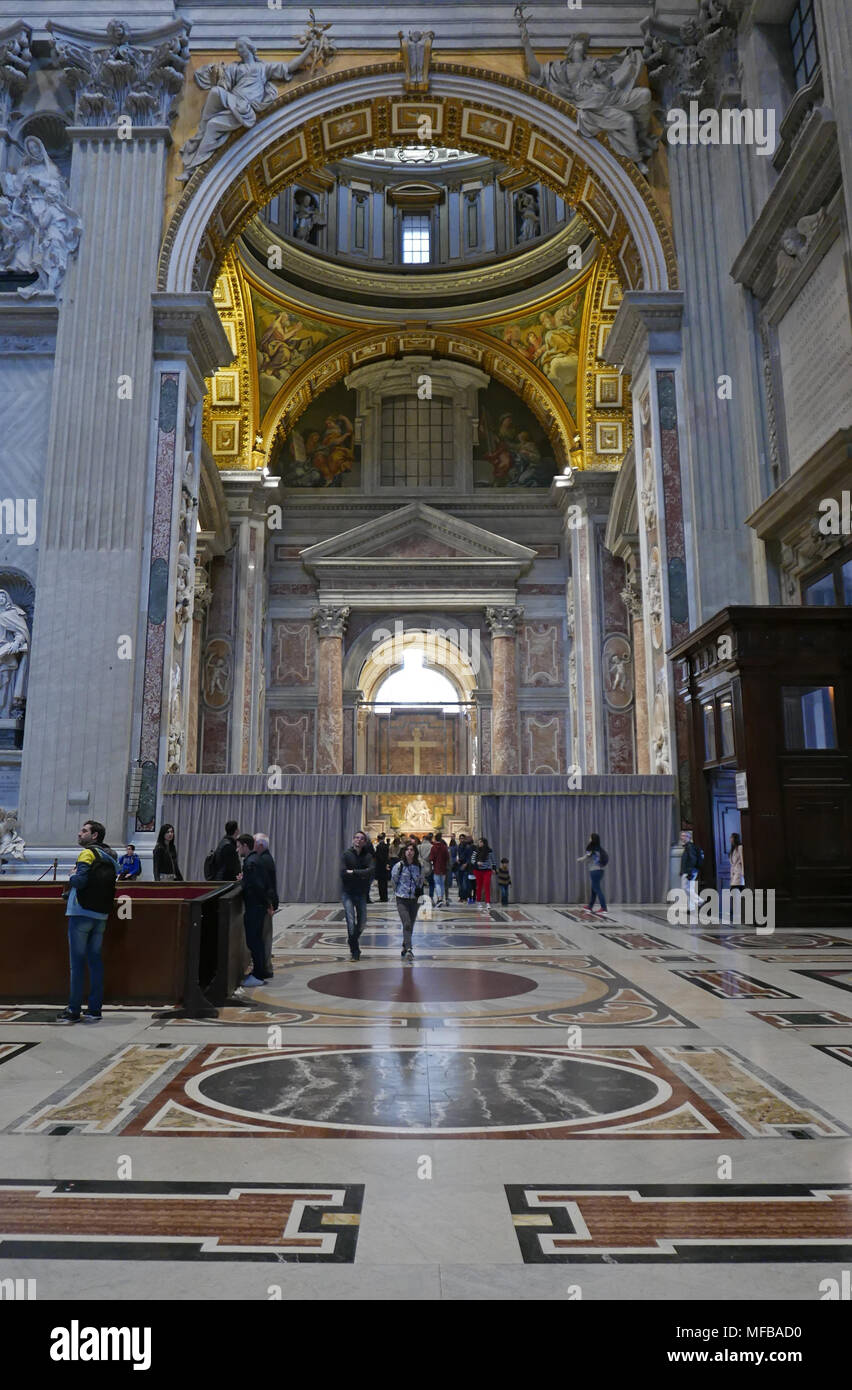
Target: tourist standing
x,y
463,869
503,881
407,880
424,852
226,861
166,868
737,865
382,857
483,867
356,871
129,865
257,905
267,863
439,858
690,865
90,894
598,859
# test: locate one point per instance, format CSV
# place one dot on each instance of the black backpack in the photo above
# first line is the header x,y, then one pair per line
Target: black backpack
x,y
99,892
210,864
603,857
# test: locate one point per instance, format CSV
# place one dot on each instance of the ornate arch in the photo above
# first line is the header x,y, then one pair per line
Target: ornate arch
x,y
487,112
467,345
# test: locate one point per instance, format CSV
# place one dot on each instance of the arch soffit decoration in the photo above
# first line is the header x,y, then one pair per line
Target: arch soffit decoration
x,y
328,118
467,345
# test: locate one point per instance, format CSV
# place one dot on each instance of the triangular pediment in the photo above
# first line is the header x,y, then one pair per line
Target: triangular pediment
x,y
417,534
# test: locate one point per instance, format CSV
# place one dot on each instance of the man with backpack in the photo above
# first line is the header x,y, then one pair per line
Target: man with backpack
x,y
222,864
90,894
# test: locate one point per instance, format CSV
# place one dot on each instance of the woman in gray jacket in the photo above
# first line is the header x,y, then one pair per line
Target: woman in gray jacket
x,y
407,880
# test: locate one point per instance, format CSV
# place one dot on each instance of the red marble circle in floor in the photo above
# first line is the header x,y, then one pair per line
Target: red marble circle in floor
x,y
429,984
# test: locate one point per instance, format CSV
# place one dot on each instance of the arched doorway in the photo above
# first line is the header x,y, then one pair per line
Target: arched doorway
x,y
419,717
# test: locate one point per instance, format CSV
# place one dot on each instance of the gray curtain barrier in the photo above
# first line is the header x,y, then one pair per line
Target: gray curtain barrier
x,y
539,825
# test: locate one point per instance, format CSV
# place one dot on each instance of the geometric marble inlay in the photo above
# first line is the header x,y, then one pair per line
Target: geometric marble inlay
x,y
839,979
815,1018
365,1090
610,1223
731,984
307,1222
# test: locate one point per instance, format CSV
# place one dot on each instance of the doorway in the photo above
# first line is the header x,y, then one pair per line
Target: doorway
x,y
724,820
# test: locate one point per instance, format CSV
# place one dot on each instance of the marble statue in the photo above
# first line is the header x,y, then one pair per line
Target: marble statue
x,y
417,815
175,734
416,55
11,844
39,231
795,244
237,92
184,591
618,670
529,214
602,90
305,216
14,654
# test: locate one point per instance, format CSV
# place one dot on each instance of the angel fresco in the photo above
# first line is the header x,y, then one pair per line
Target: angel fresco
x,y
552,343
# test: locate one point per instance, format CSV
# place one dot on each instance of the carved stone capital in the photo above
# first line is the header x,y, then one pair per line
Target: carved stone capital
x,y
15,59
700,62
124,76
503,621
331,622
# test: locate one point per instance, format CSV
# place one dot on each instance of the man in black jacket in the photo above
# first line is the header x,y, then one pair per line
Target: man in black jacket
x,y
257,900
261,845
356,871
382,854
227,860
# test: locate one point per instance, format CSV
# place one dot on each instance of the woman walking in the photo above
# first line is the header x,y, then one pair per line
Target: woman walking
x,y
483,866
407,880
598,860
166,869
737,865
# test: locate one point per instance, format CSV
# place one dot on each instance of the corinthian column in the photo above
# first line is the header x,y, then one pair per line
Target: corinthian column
x,y
330,625
98,489
503,624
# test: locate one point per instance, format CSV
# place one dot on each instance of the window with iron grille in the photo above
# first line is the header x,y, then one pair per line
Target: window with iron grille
x,y
418,444
803,41
416,239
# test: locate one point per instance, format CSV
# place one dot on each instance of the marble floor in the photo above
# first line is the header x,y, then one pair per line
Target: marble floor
x,y
668,1114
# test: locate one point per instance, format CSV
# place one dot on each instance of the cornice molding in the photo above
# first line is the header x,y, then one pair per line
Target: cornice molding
x,y
646,323
188,326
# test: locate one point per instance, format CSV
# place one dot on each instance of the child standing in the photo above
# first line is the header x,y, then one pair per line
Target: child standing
x,y
503,881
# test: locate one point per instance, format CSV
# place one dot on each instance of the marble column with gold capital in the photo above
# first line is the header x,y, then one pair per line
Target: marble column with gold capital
x,y
330,624
503,625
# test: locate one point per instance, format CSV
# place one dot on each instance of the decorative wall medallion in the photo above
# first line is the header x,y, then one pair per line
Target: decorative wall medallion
x,y
617,664
217,673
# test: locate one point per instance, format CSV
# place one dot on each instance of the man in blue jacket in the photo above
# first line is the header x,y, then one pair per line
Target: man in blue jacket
x,y
258,898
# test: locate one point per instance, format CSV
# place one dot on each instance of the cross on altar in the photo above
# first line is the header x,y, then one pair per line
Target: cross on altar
x,y
416,742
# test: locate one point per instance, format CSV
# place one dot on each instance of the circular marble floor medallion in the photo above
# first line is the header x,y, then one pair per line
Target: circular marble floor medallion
x,y
433,984
405,1089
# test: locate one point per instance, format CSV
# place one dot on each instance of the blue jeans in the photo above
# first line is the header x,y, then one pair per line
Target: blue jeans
x,y
504,894
85,941
355,908
441,886
597,891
